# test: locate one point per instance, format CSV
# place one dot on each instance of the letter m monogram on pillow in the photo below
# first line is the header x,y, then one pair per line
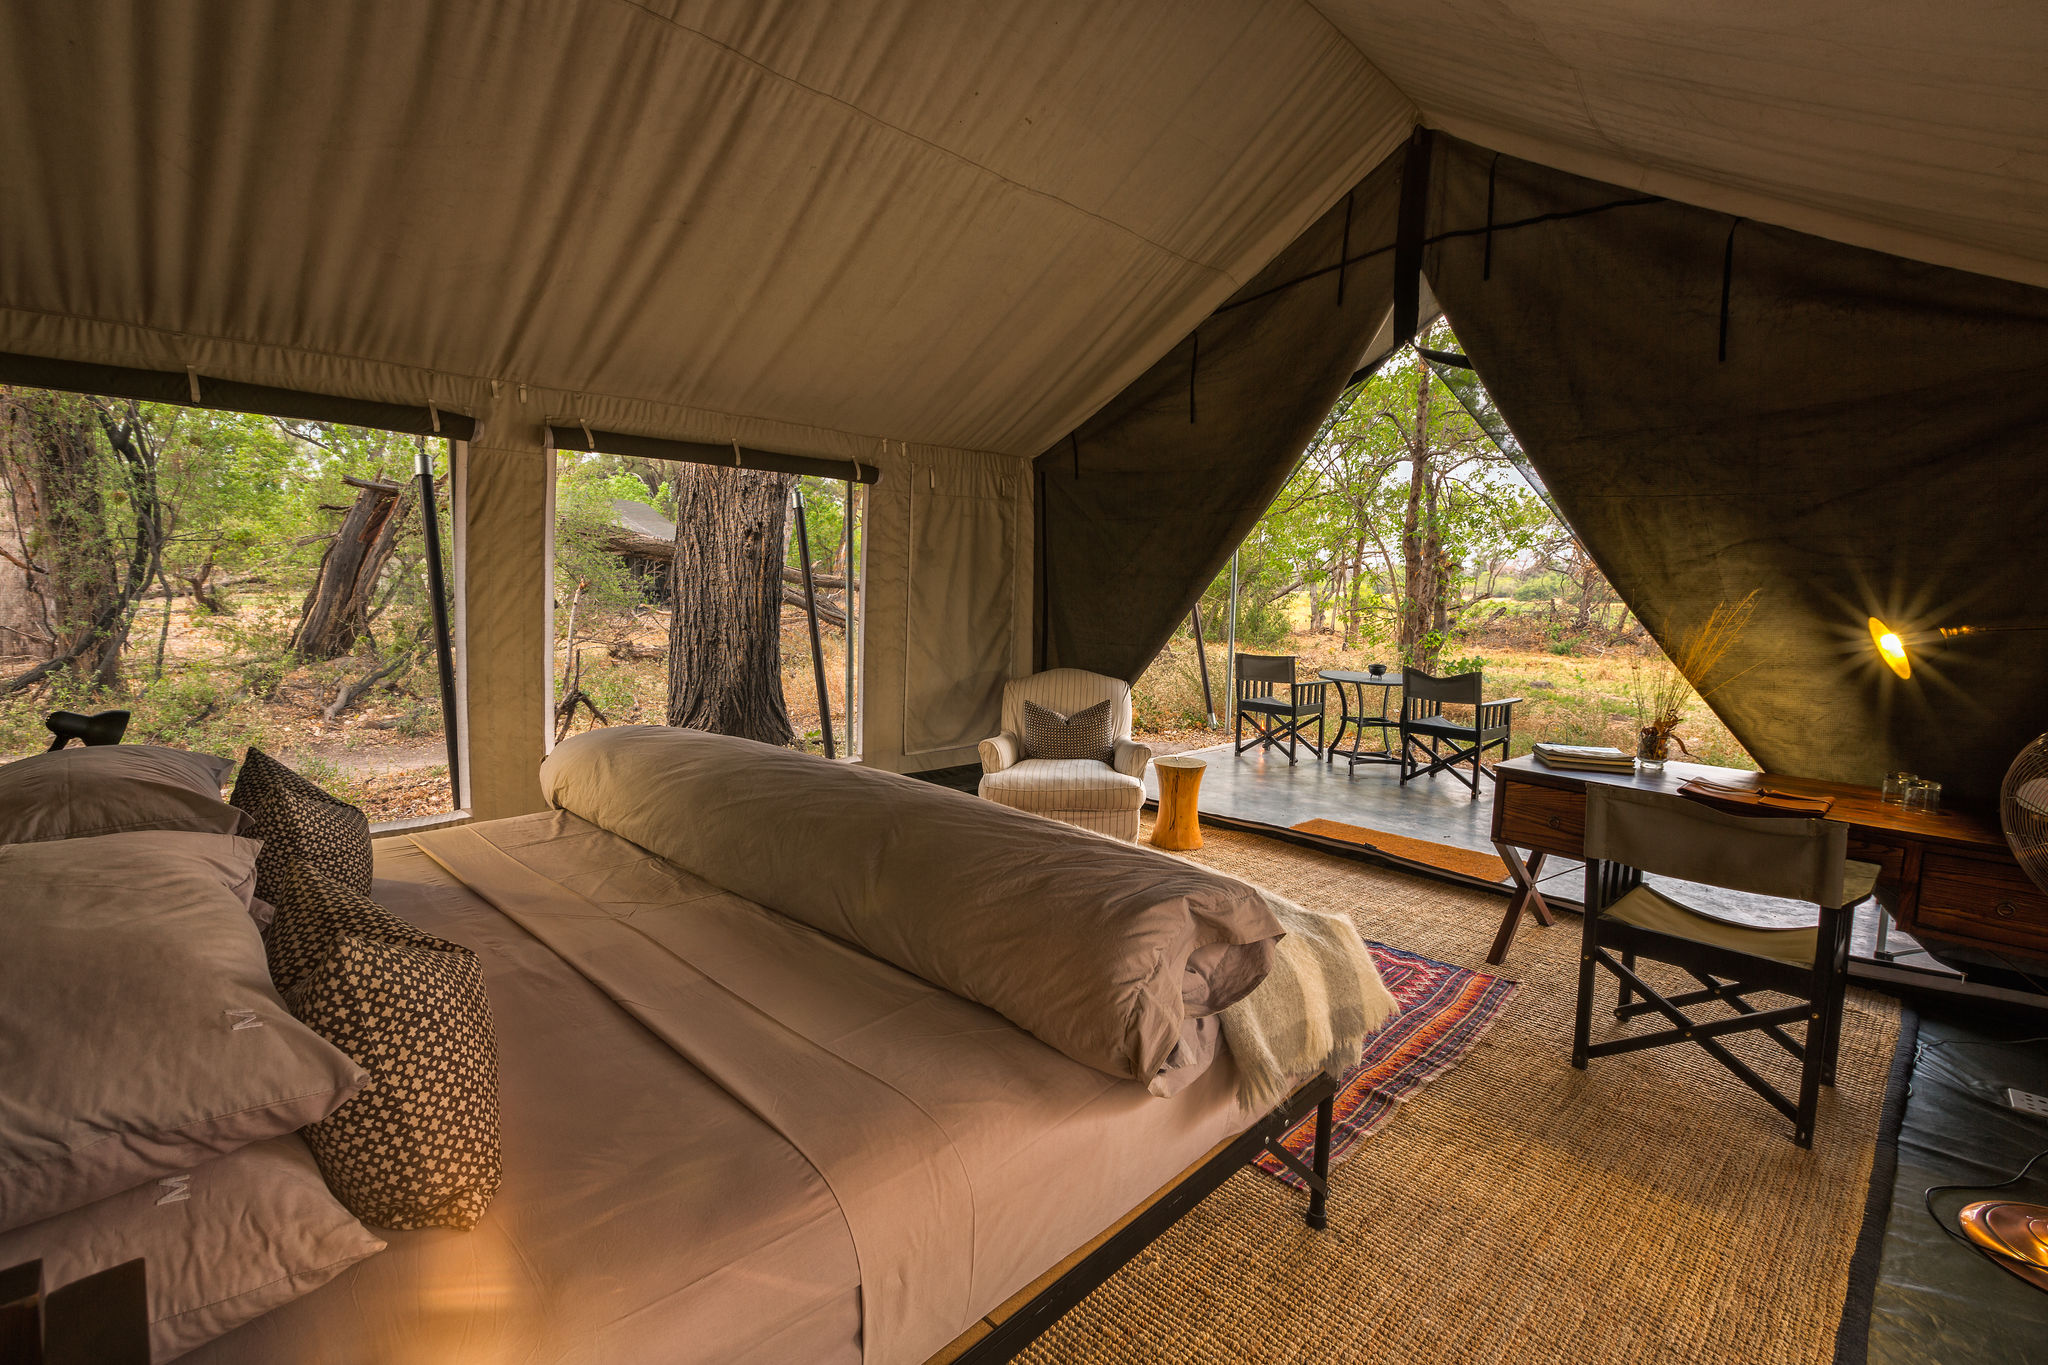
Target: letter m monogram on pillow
x,y
176,1190
241,1019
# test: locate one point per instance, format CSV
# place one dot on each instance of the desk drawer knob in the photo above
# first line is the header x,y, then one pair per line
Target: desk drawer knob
x,y
1556,822
2006,909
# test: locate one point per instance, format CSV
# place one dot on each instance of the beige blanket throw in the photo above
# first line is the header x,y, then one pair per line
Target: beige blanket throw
x,y
1311,1013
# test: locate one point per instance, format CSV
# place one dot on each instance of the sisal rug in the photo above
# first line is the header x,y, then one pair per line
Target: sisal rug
x,y
1650,1209
1444,1011
1487,866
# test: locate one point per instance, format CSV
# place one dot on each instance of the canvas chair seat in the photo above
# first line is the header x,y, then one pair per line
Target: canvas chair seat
x,y
1050,784
1453,729
1281,706
1647,908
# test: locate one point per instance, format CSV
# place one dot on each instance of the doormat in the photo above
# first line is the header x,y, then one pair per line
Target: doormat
x,y
1487,867
1445,1010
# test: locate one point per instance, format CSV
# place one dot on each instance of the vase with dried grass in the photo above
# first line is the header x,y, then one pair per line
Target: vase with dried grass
x,y
1696,669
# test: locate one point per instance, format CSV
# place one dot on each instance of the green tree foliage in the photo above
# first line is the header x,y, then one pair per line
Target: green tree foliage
x,y
587,529
1402,518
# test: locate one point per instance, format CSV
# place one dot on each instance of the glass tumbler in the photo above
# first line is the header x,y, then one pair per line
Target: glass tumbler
x,y
1895,785
1923,795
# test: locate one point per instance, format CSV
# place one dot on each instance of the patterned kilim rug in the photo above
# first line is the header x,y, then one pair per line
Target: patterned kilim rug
x,y
1444,1011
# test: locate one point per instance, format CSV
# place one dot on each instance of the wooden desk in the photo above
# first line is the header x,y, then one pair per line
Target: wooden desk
x,y
1952,873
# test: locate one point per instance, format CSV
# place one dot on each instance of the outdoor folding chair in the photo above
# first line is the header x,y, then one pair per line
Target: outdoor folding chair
x,y
1630,832
1432,742
1276,719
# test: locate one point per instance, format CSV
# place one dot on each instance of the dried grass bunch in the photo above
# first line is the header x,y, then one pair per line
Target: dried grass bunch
x,y
1662,690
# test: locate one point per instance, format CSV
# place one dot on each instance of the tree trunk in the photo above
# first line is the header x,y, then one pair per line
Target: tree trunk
x,y
1418,532
337,610
59,484
725,635
60,561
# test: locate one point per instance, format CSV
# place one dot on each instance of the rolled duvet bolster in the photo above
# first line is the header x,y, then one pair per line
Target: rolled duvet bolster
x,y
1100,949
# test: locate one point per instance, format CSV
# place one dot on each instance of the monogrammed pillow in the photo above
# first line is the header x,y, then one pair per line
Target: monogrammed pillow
x,y
299,825
222,1243
418,1147
139,1031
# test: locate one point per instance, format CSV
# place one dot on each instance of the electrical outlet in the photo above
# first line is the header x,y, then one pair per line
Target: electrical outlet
x,y
2027,1102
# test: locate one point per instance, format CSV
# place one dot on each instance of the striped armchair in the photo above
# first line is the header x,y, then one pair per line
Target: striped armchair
x,y
1104,797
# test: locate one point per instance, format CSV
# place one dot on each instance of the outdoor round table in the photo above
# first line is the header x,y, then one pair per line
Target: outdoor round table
x,y
1351,697
1180,783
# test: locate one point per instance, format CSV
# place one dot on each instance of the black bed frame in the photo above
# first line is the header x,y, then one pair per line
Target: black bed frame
x,y
1017,1331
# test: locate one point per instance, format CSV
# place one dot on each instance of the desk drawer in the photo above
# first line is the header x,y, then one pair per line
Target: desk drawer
x,y
1548,818
1890,859
1988,899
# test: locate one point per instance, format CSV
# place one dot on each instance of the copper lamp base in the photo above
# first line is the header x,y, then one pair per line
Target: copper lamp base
x,y
2016,1235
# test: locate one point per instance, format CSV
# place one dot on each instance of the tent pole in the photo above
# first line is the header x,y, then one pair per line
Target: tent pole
x,y
852,590
803,545
430,522
1202,658
1230,668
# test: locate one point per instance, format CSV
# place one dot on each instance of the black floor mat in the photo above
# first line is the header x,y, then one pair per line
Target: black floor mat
x,y
1935,1301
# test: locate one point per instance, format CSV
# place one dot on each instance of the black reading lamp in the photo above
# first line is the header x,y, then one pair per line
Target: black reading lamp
x,y
106,727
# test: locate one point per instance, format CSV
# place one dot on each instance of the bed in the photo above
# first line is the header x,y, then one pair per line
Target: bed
x,y
648,1214
729,1135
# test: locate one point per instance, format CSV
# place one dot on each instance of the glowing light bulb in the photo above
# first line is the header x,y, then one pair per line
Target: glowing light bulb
x,y
1890,648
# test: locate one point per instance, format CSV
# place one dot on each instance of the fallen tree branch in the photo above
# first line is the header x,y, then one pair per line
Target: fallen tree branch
x,y
828,612
346,695
823,580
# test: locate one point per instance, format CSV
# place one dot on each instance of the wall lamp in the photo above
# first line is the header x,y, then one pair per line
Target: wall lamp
x,y
1891,644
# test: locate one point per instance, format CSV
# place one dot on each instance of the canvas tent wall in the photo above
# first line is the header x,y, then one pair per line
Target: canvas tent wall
x,y
931,239
1716,405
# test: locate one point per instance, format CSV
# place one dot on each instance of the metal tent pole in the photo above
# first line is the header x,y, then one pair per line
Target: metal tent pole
x,y
1230,665
431,525
1202,658
803,545
846,536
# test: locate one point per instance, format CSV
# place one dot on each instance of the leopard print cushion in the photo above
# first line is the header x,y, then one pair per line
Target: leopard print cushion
x,y
417,1147
299,824
1088,733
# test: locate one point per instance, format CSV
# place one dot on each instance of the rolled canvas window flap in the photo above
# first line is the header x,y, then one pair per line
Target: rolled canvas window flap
x,y
960,624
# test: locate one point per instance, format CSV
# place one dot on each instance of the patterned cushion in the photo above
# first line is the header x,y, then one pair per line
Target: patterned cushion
x,y
312,911
418,1146
299,824
1088,733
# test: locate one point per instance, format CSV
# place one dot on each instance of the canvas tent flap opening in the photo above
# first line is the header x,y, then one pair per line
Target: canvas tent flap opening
x,y
1871,445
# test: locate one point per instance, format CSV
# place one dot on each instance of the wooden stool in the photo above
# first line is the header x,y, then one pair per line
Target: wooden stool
x,y
1180,783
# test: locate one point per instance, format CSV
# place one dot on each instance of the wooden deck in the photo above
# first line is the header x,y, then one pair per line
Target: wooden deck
x,y
1261,791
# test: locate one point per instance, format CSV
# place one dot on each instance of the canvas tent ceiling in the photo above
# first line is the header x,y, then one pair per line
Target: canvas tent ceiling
x,y
848,221
934,237
1912,128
